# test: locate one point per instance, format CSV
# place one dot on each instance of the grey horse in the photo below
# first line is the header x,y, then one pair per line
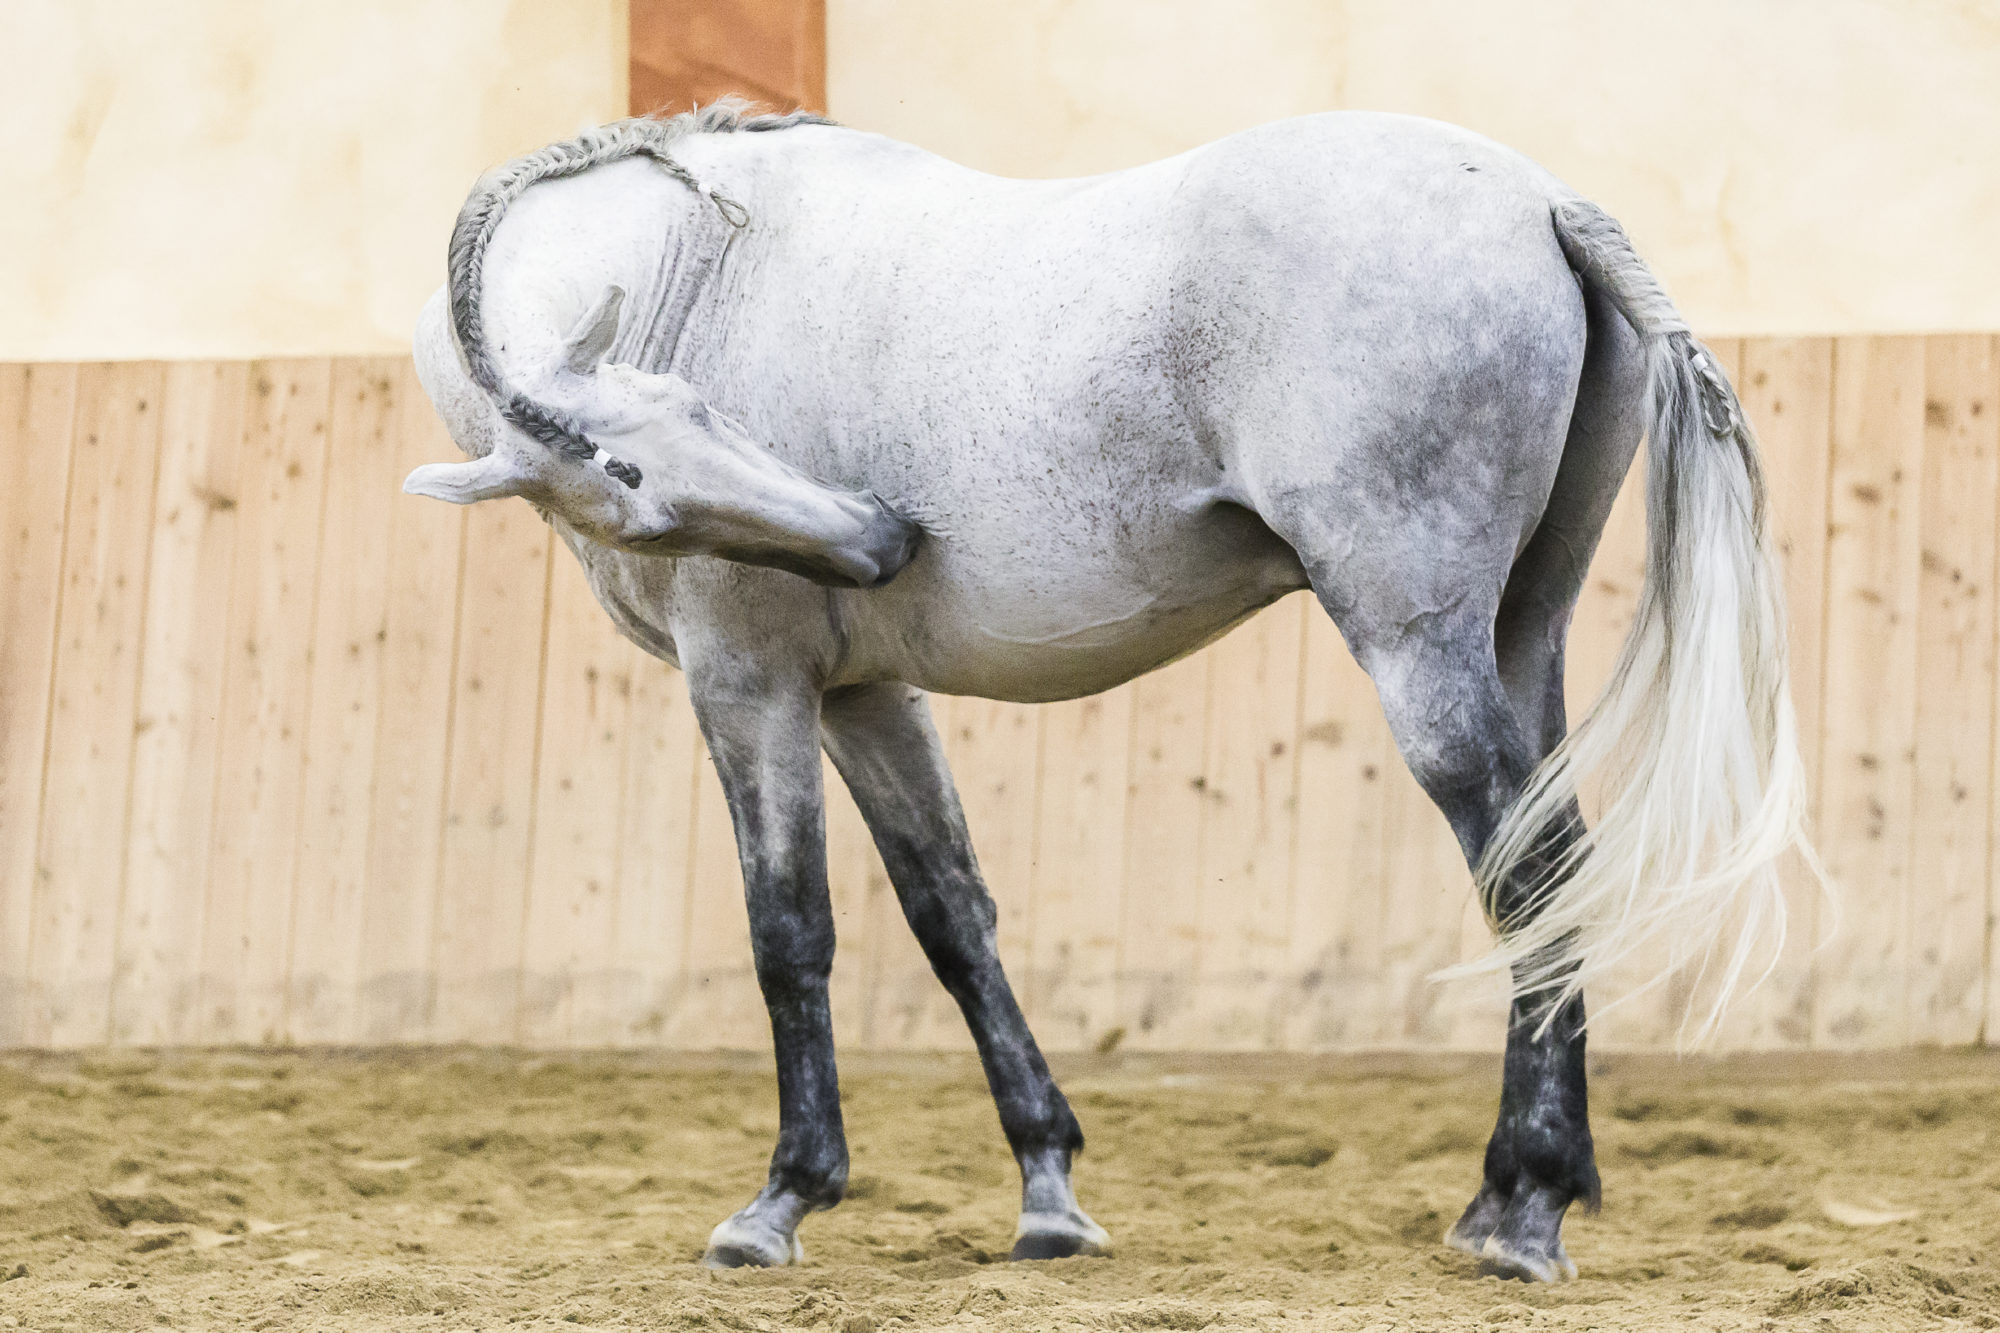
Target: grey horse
x,y
831,422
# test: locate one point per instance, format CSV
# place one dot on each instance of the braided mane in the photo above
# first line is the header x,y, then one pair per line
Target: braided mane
x,y
479,218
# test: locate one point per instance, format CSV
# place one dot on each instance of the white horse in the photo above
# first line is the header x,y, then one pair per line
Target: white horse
x,y
831,422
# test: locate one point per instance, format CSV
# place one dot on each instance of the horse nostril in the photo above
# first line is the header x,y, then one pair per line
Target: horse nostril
x,y
894,545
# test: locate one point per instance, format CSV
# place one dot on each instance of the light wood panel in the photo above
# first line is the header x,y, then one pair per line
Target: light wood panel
x,y
1335,952
36,406
1071,985
1868,729
287,755
572,902
492,774
87,766
721,1005
177,753
1249,822
266,702
1787,388
657,806
1953,755
855,879
396,984
344,697
995,753
1160,934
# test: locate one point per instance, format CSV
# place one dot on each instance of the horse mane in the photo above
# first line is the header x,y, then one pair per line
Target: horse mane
x,y
479,217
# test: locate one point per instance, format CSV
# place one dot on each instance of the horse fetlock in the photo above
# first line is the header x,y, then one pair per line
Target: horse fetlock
x,y
1558,1161
816,1185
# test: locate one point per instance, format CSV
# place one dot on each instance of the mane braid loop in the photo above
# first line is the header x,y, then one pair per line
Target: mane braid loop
x,y
480,217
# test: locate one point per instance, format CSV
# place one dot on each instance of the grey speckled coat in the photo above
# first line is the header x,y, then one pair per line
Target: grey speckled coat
x,y
831,422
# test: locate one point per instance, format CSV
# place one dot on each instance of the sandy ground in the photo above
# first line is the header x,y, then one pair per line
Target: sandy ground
x,y
452,1190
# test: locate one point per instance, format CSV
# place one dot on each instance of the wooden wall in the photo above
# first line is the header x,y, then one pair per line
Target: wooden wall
x,y
287,756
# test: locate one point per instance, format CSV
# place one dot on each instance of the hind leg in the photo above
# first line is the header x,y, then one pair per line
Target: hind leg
x,y
1420,614
1540,1157
1462,739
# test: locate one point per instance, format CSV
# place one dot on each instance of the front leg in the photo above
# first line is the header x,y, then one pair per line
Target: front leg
x,y
882,741
762,729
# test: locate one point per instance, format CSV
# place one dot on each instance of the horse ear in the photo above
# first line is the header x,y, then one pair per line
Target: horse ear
x,y
592,337
487,478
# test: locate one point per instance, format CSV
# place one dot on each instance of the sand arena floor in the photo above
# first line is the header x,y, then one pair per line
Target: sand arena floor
x,y
457,1190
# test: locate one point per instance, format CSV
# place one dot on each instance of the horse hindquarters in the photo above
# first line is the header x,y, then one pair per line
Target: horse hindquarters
x,y
1460,624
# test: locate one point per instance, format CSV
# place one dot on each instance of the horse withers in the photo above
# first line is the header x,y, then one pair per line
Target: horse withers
x,y
832,423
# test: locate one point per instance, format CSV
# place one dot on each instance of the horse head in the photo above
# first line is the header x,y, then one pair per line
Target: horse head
x,y
638,461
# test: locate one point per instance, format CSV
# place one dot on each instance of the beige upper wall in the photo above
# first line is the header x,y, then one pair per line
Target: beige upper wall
x,y
213,178
1787,165
237,178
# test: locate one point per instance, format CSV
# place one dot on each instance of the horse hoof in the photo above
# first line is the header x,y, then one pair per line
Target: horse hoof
x,y
1055,1245
1551,1265
1049,1237
732,1245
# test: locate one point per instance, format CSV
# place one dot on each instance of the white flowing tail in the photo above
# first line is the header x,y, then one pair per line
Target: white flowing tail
x,y
1692,746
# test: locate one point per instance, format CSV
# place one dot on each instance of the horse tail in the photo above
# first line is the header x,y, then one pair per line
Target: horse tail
x,y
1692,744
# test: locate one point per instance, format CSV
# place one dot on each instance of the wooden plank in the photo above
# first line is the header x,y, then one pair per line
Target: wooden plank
x,y
1249,816
1989,1031
1787,390
1873,562
1950,864
572,906
723,1008
362,488
1070,988
176,754
994,750
1161,925
1337,996
662,748
491,781
905,1008
100,637
853,872
37,410
266,702
771,51
418,665
1425,890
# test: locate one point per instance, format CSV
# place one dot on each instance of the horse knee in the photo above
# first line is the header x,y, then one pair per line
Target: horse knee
x,y
793,955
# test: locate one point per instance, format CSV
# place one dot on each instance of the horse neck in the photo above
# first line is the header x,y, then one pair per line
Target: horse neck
x,y
674,285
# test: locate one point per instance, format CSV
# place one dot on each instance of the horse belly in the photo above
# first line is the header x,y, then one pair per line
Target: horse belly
x,y
1068,623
